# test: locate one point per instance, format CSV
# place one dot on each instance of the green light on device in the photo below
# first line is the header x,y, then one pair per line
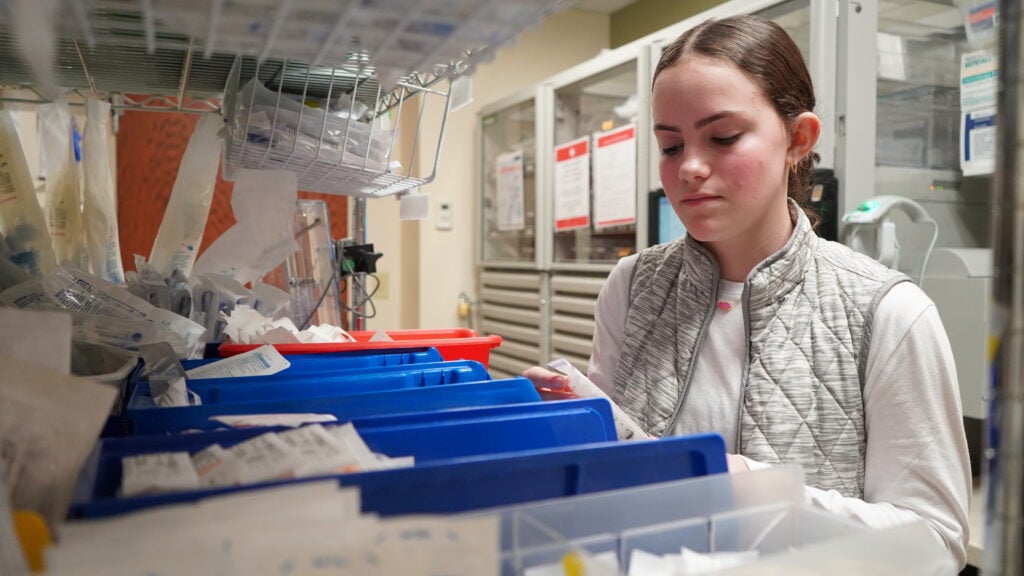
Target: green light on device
x,y
867,206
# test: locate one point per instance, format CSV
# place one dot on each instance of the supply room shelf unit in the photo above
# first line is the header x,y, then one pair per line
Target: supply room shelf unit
x,y
573,298
195,56
513,305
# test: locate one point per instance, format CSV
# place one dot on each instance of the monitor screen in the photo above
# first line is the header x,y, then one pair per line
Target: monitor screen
x,y
664,225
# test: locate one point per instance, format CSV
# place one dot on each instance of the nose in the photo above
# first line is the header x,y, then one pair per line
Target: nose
x,y
693,168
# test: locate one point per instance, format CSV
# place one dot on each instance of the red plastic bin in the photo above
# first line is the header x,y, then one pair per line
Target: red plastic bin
x,y
454,344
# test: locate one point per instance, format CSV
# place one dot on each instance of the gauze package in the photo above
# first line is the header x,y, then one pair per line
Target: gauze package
x,y
247,326
625,427
181,231
63,197
99,193
22,222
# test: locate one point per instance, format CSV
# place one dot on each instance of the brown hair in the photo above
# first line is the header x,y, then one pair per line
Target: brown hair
x,y
766,54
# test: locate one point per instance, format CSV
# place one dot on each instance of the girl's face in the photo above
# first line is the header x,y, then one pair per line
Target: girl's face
x,y
724,152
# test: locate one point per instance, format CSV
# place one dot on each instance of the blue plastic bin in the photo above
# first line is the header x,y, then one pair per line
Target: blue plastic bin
x,y
443,484
308,363
344,408
300,364
317,385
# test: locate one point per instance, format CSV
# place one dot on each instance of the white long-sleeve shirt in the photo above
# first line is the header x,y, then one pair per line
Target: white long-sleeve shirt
x,y
916,465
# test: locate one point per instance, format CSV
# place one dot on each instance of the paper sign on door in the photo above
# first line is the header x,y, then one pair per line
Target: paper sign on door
x,y
511,213
572,185
615,177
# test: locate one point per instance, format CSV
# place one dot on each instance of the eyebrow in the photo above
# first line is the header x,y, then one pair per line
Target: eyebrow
x,y
699,123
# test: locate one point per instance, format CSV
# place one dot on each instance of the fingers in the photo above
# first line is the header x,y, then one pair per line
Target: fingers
x,y
736,463
543,378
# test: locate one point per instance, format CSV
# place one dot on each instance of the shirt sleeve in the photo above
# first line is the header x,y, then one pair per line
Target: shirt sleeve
x,y
917,465
610,324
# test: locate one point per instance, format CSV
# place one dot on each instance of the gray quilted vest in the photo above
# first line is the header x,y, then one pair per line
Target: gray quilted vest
x,y
808,315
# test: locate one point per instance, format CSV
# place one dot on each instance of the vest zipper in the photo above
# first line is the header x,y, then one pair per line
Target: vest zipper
x,y
738,446
696,351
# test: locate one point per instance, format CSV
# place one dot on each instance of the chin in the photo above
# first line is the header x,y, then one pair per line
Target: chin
x,y
701,232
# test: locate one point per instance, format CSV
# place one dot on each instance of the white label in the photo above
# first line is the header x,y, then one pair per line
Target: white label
x,y
615,177
979,76
978,142
511,213
572,185
262,361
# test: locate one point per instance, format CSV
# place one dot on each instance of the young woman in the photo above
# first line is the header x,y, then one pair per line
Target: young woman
x,y
794,349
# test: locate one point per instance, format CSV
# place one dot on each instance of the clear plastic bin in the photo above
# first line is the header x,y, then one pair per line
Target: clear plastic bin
x,y
106,364
762,511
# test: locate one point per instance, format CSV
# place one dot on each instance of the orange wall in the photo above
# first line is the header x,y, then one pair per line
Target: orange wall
x,y
150,146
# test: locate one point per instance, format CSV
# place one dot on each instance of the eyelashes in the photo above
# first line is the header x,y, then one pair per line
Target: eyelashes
x,y
723,141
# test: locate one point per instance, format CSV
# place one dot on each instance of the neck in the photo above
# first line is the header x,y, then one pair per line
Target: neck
x,y
739,255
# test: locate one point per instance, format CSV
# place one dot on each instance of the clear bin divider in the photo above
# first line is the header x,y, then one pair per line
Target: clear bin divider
x,y
666,538
766,529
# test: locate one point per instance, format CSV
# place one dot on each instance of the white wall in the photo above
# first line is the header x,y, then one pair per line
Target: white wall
x,y
444,260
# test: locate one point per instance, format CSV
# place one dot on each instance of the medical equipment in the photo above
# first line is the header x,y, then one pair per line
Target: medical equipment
x,y
883,246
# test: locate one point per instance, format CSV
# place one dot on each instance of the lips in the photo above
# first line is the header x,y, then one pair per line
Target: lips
x,y
699,200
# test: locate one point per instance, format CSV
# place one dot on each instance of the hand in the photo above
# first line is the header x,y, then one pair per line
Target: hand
x,y
736,463
550,385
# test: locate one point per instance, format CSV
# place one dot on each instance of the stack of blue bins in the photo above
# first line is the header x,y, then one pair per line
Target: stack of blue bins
x,y
477,442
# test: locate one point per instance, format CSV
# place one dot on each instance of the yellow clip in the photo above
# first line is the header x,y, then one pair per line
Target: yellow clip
x,y
572,565
34,537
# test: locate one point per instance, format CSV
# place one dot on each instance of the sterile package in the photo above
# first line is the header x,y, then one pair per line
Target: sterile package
x,y
265,458
262,361
99,194
181,231
367,460
77,291
63,195
127,333
263,236
49,423
215,466
22,222
158,472
582,387
319,451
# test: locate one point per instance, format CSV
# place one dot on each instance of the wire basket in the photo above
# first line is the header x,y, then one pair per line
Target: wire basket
x,y
333,126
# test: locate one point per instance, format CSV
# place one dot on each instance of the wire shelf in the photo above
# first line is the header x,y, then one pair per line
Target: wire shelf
x,y
203,56
187,47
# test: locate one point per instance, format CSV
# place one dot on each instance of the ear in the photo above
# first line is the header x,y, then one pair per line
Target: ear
x,y
803,135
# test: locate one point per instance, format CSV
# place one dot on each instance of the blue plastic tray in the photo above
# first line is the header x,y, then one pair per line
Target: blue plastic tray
x,y
444,485
489,393
325,384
